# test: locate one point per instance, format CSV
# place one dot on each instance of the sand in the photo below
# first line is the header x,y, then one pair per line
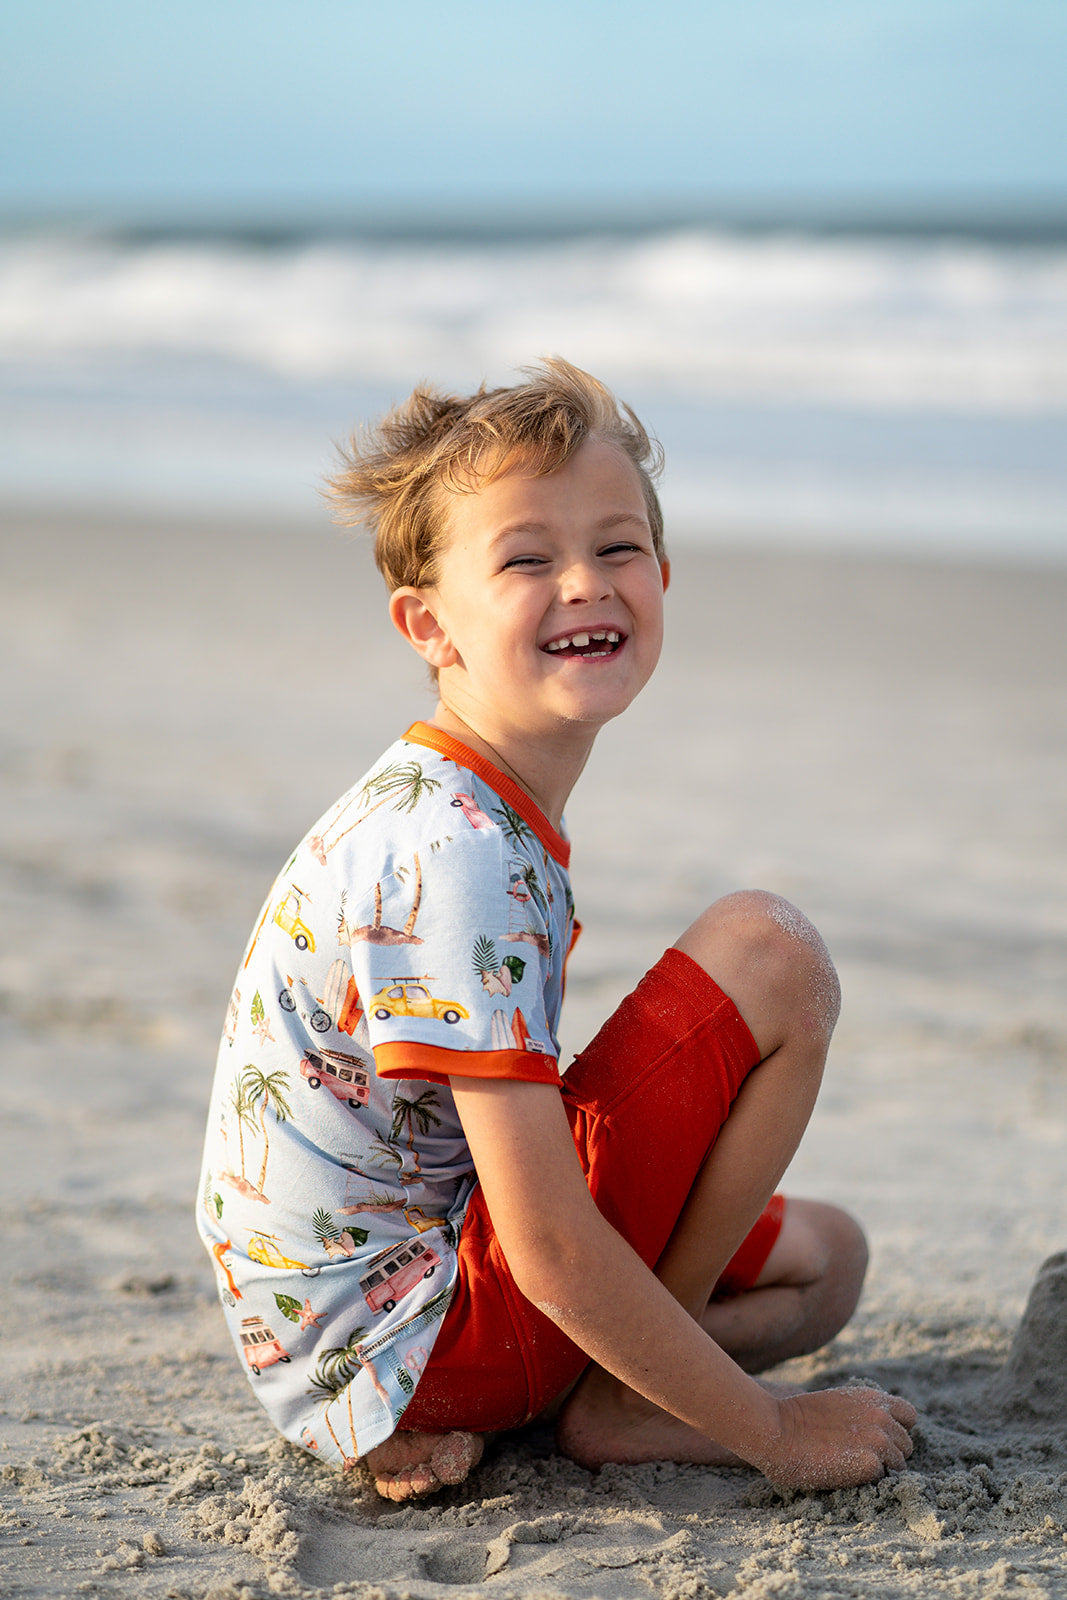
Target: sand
x,y
884,743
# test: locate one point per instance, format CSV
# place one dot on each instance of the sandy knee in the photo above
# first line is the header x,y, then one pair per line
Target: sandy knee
x,y
772,962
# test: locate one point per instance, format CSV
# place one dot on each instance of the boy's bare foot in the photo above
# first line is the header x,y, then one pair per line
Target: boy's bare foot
x,y
602,1421
832,1439
413,1464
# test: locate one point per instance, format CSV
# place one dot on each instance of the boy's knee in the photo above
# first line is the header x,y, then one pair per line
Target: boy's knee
x,y
823,1252
773,964
819,1242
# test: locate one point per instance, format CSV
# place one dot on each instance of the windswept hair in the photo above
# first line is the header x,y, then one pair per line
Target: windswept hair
x,y
390,477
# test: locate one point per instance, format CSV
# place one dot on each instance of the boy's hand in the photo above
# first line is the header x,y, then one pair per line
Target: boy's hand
x,y
838,1438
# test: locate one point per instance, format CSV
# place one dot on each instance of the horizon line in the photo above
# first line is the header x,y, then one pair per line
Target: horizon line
x,y
995,218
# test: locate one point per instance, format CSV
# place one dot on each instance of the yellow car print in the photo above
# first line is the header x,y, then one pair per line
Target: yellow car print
x,y
287,916
404,998
262,1247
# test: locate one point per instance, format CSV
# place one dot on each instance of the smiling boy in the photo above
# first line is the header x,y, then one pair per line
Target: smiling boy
x,y
475,1238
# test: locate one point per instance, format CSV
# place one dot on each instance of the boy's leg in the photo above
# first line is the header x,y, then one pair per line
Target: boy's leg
x,y
758,943
774,966
806,1291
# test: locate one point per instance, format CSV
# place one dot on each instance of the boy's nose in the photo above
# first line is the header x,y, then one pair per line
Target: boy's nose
x,y
583,580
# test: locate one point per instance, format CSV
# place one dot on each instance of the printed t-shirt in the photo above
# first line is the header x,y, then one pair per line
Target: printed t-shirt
x,y
419,930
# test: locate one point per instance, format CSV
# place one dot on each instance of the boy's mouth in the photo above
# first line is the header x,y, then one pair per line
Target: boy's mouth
x,y
594,642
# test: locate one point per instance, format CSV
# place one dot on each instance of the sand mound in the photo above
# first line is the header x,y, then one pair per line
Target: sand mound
x,y
1032,1384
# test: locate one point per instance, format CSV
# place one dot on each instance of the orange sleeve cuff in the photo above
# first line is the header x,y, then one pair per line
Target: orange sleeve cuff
x,y
429,1062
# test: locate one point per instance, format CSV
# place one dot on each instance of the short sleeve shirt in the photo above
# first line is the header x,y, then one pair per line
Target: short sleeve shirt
x,y
418,932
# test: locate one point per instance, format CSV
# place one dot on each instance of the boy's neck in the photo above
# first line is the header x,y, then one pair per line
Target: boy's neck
x,y
546,775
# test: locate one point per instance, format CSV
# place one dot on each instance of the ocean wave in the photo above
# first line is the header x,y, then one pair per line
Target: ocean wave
x,y
693,314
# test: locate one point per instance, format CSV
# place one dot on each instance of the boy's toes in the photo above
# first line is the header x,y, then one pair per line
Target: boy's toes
x,y
456,1455
409,1484
410,1465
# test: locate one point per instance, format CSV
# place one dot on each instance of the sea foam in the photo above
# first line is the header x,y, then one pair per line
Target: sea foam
x,y
800,383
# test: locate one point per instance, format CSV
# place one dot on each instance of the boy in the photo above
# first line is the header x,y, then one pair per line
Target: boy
x,y
423,1234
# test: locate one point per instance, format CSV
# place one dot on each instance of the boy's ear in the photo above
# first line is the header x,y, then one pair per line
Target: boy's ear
x,y
665,573
409,610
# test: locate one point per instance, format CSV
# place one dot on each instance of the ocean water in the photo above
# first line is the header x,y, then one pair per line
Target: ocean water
x,y
895,393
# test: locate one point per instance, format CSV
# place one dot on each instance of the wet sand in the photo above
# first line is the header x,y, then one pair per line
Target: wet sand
x,y
885,743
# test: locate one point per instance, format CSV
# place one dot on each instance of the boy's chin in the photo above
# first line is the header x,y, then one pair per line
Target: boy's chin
x,y
593,717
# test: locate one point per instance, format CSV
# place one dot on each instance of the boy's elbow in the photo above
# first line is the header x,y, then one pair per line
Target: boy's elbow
x,y
551,1271
544,1289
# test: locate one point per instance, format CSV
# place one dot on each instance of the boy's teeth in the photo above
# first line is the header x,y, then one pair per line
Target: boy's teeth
x,y
581,641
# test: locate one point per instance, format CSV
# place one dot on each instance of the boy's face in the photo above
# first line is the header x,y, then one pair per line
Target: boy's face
x,y
548,612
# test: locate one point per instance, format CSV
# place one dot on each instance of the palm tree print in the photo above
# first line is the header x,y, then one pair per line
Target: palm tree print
x,y
384,1153
243,1114
412,1114
515,828
268,1090
404,783
374,932
416,901
336,1368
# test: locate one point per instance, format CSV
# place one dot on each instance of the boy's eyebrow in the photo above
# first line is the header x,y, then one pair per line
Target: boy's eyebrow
x,y
613,519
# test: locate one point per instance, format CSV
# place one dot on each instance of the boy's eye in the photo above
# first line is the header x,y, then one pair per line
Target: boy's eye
x,y
623,547
524,561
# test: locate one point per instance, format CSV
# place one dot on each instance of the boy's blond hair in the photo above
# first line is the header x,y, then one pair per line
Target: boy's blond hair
x,y
391,478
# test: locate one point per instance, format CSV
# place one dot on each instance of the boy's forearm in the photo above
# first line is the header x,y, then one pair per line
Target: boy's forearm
x,y
650,1343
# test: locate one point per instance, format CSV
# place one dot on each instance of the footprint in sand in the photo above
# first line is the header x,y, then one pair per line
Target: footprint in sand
x,y
456,1562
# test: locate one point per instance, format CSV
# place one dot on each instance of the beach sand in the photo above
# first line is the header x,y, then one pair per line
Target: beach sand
x,y
884,743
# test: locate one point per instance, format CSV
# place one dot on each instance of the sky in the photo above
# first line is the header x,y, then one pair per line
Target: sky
x,y
271,107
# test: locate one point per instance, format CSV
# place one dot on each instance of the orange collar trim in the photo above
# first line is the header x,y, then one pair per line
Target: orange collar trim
x,y
508,790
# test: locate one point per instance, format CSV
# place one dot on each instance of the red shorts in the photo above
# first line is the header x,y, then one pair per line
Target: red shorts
x,y
646,1101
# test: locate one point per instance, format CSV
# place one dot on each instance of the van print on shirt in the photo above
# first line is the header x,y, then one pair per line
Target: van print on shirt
x,y
395,1271
260,1345
344,1075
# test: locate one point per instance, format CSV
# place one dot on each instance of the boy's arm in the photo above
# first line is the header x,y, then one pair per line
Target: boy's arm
x,y
574,1266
